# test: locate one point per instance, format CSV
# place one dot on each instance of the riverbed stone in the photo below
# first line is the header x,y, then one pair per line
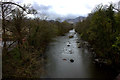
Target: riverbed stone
x,y
71,36
71,60
68,45
65,59
78,45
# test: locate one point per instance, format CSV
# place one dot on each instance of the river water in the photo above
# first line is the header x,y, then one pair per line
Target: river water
x,y
59,54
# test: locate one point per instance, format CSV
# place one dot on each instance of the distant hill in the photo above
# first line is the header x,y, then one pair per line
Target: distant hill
x,y
78,19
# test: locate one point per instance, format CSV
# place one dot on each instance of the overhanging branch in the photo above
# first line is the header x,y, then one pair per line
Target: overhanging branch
x,y
13,4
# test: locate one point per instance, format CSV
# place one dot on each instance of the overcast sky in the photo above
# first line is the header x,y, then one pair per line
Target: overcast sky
x,y
65,8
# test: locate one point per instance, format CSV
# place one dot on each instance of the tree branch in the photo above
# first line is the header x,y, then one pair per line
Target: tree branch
x,y
11,44
14,4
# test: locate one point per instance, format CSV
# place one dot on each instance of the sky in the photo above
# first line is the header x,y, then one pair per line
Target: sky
x,y
64,8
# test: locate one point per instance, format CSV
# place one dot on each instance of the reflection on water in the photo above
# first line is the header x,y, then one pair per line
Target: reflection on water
x,y
62,51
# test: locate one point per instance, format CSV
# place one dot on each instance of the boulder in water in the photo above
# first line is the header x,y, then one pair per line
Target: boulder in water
x,y
65,59
71,36
77,41
70,51
79,46
68,44
71,60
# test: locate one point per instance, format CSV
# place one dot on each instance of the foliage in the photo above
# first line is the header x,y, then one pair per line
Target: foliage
x,y
101,30
24,56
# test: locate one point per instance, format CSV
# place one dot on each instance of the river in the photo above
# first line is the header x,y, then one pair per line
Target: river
x,y
59,54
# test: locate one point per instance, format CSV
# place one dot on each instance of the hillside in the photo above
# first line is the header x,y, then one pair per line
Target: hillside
x,y
78,19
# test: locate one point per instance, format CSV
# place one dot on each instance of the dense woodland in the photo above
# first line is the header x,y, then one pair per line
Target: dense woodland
x,y
25,40
101,29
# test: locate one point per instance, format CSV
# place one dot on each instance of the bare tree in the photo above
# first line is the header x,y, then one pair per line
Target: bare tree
x,y
7,8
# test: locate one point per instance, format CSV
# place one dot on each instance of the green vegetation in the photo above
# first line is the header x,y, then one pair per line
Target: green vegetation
x,y
24,56
101,29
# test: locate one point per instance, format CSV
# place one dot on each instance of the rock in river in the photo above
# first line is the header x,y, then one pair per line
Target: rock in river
x,y
68,44
79,45
71,36
71,60
65,59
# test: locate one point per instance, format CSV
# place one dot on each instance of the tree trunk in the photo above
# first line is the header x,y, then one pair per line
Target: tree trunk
x,y
4,33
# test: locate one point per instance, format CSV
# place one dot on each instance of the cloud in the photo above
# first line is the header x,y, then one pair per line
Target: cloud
x,y
41,7
43,10
65,8
47,10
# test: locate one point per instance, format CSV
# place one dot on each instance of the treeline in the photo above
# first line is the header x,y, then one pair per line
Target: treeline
x,y
25,40
42,32
101,29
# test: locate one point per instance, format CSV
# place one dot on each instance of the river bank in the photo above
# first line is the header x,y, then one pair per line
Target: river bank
x,y
99,61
